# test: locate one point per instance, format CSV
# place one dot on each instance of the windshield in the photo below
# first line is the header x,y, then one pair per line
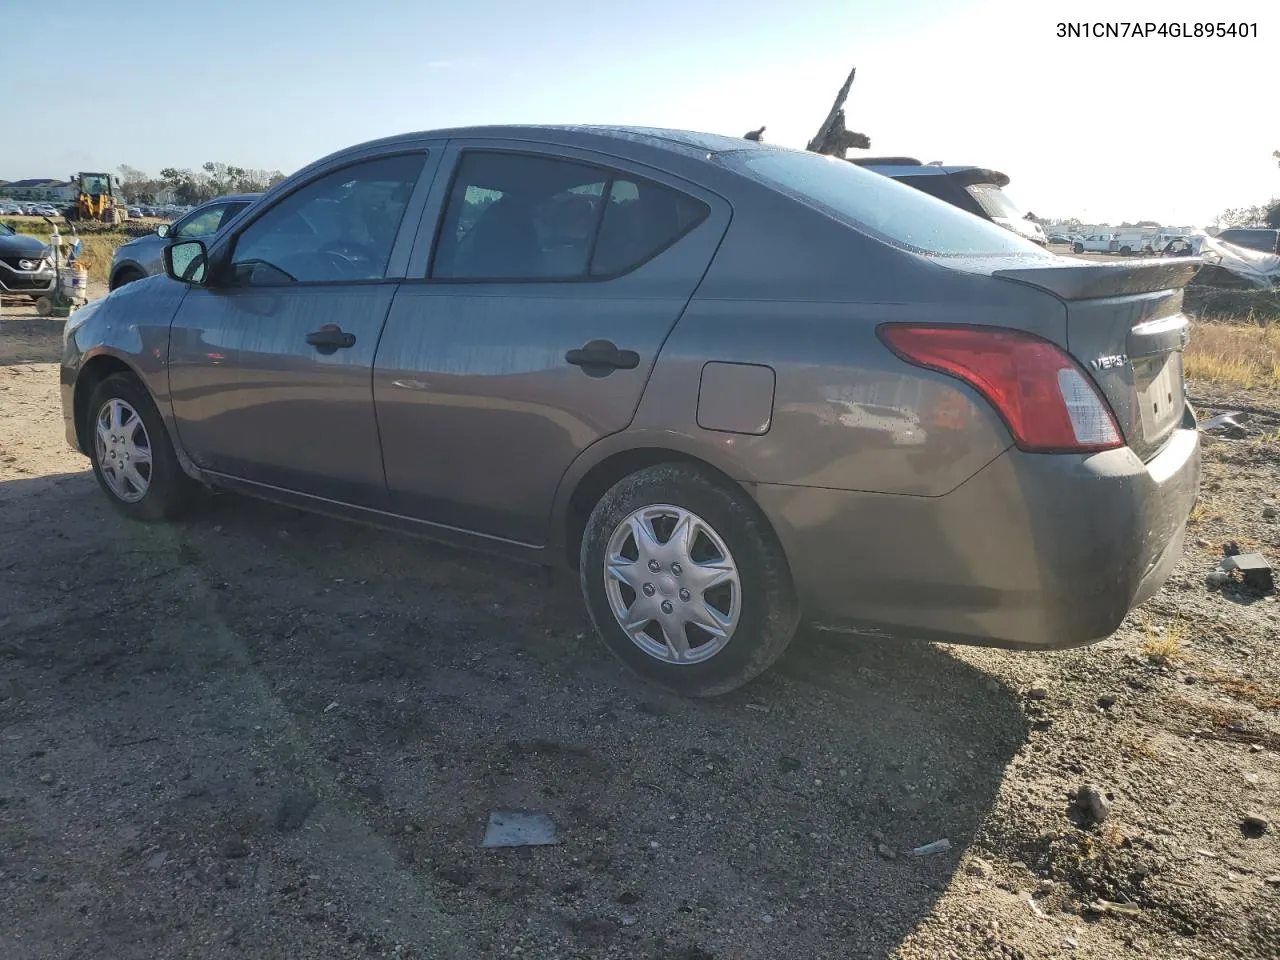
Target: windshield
x,y
994,201
95,184
878,205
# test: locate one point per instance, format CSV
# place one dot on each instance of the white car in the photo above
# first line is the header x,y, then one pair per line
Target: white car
x,y
1096,243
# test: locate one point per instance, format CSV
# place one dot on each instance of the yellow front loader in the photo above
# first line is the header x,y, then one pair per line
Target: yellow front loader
x,y
98,199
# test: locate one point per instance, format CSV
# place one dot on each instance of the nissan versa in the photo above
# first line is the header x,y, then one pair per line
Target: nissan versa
x,y
735,386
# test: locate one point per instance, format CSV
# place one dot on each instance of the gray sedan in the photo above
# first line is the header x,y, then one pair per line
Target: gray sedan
x,y
141,257
734,386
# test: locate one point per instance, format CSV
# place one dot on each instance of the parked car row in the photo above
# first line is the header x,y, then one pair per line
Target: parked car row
x,y
14,208
702,372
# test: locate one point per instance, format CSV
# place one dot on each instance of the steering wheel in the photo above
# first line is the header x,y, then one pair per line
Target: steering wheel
x,y
349,258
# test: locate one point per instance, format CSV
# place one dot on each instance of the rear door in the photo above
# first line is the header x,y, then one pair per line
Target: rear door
x,y
270,366
531,330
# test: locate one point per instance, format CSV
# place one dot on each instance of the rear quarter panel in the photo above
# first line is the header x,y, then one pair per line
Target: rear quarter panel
x,y
792,289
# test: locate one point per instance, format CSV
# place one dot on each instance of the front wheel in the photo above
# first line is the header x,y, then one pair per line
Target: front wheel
x,y
1077,248
132,457
685,581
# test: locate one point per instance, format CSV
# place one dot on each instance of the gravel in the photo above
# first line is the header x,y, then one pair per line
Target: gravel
x,y
171,783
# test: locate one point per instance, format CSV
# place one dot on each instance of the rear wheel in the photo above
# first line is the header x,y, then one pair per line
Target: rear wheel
x,y
132,457
685,581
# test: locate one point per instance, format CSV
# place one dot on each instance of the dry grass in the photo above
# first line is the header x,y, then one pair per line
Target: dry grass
x,y
1240,354
1244,690
96,253
1167,646
1143,748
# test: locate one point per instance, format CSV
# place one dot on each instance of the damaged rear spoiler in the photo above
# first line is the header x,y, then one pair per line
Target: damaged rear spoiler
x,y
1087,280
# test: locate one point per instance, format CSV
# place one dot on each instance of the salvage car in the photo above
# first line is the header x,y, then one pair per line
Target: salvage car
x,y
141,257
1252,238
976,189
736,387
26,265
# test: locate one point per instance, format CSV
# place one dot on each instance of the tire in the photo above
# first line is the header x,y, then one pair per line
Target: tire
x,y
44,306
1126,251
766,612
1077,248
167,491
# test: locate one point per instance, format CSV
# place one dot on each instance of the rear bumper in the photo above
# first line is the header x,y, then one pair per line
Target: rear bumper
x,y
1035,551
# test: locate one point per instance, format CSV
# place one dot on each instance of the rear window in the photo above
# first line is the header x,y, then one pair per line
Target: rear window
x,y
877,205
995,201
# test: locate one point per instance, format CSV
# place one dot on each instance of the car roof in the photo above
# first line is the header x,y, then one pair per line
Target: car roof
x,y
232,196
689,143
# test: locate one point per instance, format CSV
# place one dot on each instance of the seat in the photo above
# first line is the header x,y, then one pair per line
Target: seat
x,y
503,243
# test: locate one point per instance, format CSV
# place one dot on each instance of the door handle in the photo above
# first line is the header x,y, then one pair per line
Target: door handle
x,y
599,357
331,337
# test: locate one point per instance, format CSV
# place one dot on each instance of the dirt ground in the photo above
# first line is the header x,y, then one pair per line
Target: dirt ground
x,y
265,734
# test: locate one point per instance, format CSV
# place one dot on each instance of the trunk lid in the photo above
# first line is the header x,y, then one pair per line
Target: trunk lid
x,y
1126,328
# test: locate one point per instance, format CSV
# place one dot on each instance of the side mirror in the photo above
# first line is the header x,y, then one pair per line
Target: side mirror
x,y
162,230
186,261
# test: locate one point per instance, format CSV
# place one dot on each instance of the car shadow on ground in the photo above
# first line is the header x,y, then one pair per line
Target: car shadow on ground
x,y
29,339
312,721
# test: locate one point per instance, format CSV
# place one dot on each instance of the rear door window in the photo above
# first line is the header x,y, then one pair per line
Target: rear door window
x,y
641,219
877,205
524,217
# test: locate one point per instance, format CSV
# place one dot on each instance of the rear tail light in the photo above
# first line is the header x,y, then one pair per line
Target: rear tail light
x,y
1049,404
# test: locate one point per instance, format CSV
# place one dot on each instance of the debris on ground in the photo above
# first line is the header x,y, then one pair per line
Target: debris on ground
x,y
1227,425
515,828
938,846
1217,578
1254,569
1092,802
1254,825
1110,908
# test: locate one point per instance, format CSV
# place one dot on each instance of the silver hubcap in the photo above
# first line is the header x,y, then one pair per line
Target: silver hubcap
x,y
672,584
124,450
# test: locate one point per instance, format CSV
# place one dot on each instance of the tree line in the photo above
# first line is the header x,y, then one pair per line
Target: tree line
x,y
1260,215
190,187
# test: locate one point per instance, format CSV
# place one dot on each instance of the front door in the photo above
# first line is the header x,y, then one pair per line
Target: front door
x,y
554,281
270,366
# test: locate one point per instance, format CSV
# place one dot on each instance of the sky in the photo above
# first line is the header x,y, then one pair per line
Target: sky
x,y
1101,129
